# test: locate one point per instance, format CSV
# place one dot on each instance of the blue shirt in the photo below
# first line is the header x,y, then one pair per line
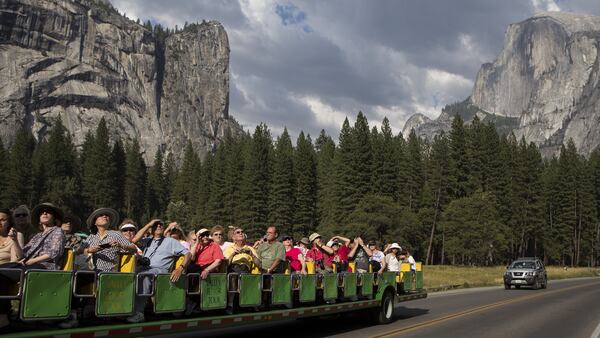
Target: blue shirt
x,y
162,257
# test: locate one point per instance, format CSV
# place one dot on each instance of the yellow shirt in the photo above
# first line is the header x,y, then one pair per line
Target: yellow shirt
x,y
240,258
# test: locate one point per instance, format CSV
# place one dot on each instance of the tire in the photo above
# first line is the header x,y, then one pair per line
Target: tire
x,y
536,284
545,285
384,314
506,286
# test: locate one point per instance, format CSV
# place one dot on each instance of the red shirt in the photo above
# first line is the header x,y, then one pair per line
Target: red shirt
x,y
292,257
317,255
206,255
342,254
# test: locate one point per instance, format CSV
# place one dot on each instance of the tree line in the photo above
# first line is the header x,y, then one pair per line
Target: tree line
x,y
469,196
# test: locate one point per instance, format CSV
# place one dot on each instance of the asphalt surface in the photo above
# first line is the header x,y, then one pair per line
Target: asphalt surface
x,y
568,308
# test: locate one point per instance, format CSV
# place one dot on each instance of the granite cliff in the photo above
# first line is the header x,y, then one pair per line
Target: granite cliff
x,y
81,60
544,85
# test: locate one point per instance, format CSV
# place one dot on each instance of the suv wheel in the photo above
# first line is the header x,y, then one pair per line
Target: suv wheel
x,y
545,285
536,284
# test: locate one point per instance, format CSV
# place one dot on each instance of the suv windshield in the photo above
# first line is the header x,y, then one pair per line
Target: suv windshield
x,y
523,265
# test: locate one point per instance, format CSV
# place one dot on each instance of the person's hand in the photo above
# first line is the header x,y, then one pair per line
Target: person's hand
x,y
116,244
257,243
93,249
304,272
22,262
176,274
12,234
204,274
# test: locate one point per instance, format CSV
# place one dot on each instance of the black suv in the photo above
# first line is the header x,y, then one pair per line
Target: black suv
x,y
527,271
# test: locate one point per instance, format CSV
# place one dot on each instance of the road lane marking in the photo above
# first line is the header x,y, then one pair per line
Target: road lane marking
x,y
596,333
475,310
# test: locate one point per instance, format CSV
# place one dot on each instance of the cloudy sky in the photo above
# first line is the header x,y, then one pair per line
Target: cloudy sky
x,y
308,64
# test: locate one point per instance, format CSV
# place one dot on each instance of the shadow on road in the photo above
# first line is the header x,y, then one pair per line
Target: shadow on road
x,y
404,313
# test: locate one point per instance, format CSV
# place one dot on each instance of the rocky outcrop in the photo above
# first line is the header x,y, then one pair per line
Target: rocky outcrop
x,y
82,61
547,77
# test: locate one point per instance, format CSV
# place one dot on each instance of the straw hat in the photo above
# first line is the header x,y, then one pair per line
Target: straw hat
x,y
112,213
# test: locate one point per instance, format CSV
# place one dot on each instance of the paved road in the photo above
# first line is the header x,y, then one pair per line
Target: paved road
x,y
568,308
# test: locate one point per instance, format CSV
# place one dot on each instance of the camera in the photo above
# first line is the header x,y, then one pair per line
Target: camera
x,y
143,261
105,246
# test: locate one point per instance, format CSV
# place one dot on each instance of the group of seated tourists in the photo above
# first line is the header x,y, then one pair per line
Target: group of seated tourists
x,y
37,239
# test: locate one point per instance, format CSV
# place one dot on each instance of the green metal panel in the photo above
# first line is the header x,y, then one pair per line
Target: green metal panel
x,y
330,286
385,280
407,279
47,295
308,288
349,285
419,280
250,290
282,289
366,289
169,297
116,291
213,291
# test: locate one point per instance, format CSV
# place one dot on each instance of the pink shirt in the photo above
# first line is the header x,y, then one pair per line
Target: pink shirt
x,y
292,257
206,255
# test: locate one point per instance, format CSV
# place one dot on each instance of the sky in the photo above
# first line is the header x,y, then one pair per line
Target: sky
x,y
307,65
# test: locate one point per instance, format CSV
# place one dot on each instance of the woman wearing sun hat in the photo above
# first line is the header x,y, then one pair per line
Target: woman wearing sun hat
x,y
392,259
104,244
44,251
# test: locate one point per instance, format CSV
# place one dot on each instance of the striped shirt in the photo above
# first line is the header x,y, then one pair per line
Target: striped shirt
x,y
105,260
51,242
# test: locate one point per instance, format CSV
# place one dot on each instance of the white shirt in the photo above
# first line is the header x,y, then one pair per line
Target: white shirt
x,y
413,264
225,245
378,256
392,262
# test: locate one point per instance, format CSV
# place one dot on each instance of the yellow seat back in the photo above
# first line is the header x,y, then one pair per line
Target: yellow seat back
x,y
310,267
352,266
419,266
177,262
126,263
68,260
404,267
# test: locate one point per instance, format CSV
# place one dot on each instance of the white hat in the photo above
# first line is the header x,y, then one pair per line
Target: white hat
x,y
395,246
332,243
128,226
313,236
201,231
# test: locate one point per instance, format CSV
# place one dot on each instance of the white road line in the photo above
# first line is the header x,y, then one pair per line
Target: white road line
x,y
596,333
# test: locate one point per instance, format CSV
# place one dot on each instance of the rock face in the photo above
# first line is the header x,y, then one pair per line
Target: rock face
x,y
82,61
547,76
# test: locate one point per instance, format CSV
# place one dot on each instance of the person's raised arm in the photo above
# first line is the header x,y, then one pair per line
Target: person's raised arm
x,y
325,248
343,239
368,251
140,234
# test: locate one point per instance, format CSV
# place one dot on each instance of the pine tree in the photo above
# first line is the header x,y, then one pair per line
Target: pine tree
x,y
156,191
459,163
19,180
186,183
56,169
119,159
203,190
215,208
234,178
283,185
135,181
345,189
256,182
385,163
325,153
305,217
362,158
414,184
98,179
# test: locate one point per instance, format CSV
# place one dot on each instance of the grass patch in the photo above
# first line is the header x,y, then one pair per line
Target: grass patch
x,y
446,276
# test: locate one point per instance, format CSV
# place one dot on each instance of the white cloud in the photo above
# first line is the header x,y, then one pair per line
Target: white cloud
x,y
545,5
325,114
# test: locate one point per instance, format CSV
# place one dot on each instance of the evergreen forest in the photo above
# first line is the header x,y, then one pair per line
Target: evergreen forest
x,y
470,196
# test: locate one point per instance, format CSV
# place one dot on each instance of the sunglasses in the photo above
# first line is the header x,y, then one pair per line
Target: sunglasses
x,y
217,234
239,232
204,234
128,230
21,215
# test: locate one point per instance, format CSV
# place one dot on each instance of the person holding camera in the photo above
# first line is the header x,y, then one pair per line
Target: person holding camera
x,y
241,257
157,258
104,244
